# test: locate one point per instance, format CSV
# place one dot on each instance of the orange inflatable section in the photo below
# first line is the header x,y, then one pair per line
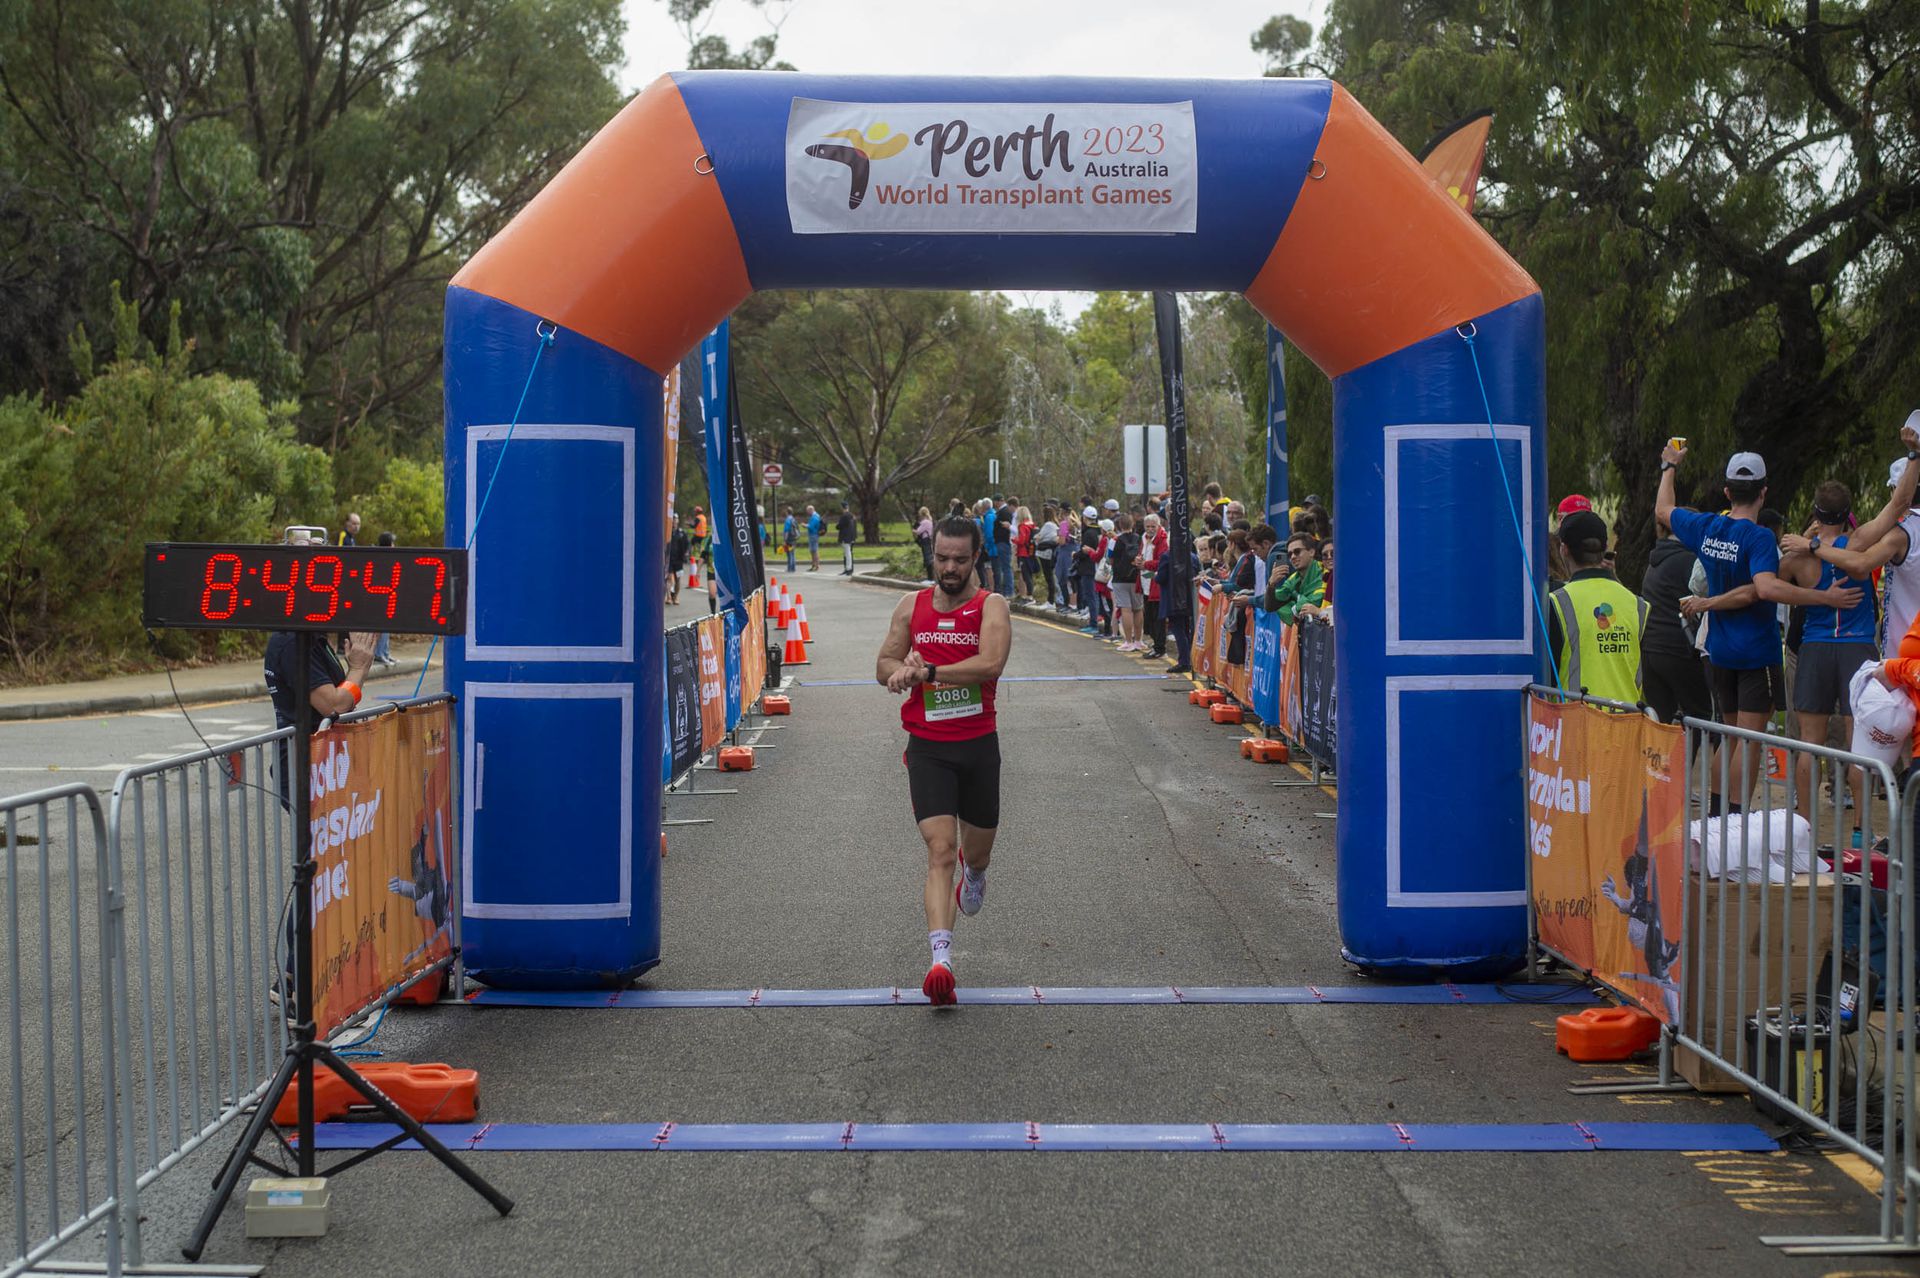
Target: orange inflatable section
x,y
1375,256
637,214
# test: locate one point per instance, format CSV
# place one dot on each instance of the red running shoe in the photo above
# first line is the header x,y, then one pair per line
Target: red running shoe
x,y
938,987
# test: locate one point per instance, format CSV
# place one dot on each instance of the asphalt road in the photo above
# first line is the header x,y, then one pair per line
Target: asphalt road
x,y
1136,848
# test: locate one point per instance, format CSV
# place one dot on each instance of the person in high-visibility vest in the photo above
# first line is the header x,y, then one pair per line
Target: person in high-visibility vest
x,y
1593,622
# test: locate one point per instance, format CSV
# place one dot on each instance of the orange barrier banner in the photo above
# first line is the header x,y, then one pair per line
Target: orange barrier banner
x,y
1203,597
753,650
712,633
383,854
1604,808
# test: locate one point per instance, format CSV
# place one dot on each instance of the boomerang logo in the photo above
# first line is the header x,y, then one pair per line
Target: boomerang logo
x,y
858,153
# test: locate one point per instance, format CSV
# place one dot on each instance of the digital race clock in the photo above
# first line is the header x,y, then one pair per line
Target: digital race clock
x,y
325,588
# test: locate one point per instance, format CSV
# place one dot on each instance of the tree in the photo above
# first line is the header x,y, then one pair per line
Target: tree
x,y
147,450
881,385
302,177
1720,200
709,52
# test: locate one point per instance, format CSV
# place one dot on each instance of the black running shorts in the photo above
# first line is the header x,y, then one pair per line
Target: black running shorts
x,y
956,779
1760,691
1820,684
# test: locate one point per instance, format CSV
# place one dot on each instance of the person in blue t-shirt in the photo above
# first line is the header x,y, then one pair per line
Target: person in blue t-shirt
x,y
1742,565
814,525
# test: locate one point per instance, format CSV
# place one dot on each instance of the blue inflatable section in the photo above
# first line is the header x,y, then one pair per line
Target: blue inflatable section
x,y
559,674
1255,139
1432,868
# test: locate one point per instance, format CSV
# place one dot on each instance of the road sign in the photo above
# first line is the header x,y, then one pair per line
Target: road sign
x,y
770,474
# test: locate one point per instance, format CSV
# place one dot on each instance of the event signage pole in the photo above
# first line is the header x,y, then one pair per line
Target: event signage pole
x,y
1277,502
233,587
1176,594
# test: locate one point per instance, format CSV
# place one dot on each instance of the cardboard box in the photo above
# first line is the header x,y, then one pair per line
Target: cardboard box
x,y
1731,1016
287,1208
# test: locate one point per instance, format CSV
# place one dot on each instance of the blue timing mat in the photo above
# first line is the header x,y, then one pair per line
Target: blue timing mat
x,y
1045,995
1452,1138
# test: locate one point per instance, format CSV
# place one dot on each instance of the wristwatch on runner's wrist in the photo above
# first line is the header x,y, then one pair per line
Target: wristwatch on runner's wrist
x,y
1813,544
931,671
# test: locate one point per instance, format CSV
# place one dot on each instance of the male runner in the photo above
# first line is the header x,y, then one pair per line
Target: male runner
x,y
945,649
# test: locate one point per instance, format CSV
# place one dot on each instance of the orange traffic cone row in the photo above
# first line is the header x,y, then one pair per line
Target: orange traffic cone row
x,y
800,610
796,654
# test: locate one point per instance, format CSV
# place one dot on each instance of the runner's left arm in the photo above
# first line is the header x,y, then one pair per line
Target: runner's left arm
x,y
996,641
892,669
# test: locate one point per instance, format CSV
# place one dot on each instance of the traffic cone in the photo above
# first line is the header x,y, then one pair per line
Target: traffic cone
x,y
693,575
800,610
796,654
786,605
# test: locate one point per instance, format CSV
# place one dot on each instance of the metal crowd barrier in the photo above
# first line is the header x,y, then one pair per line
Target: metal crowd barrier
x,y
1796,972
204,865
190,880
1782,988
62,1151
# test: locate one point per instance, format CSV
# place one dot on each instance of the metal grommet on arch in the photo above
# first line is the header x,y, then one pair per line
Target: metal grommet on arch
x,y
703,159
1316,170
546,330
1468,330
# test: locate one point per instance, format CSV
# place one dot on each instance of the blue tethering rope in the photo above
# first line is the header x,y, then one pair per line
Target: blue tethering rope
x,y
1467,333
546,333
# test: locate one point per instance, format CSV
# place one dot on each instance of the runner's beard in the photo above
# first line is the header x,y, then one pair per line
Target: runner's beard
x,y
954,584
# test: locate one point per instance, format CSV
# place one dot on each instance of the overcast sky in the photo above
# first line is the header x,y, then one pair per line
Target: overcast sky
x,y
1175,38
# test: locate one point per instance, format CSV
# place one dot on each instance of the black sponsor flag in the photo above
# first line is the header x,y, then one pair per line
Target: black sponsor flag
x,y
1176,587
743,513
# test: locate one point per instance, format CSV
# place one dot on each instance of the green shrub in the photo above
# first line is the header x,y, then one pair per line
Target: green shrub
x,y
146,451
410,503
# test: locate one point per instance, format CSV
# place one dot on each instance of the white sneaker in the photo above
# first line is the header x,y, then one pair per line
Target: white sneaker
x,y
969,894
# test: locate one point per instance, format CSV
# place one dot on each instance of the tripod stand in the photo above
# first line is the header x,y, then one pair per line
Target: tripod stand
x,y
306,1050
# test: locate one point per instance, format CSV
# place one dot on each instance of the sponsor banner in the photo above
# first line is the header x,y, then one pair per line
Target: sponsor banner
x,y
1264,662
383,856
1176,588
1005,168
742,519
1604,842
753,651
711,638
735,631
1277,505
670,413
683,699
1313,686
1202,630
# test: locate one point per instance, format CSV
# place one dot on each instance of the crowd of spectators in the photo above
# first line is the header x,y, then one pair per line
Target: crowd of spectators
x,y
1737,620
1103,563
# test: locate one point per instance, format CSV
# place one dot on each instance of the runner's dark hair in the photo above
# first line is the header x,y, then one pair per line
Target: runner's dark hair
x,y
959,526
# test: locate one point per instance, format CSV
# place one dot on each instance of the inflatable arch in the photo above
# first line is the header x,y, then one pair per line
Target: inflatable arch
x,y
710,185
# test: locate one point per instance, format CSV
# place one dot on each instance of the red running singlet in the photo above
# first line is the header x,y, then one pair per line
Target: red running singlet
x,y
940,711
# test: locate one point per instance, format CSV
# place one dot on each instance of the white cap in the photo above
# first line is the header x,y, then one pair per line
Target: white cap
x,y
1112,504
1913,420
1106,525
1089,513
1746,466
1896,470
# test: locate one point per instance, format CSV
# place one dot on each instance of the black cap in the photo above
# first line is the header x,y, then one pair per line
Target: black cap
x,y
1583,530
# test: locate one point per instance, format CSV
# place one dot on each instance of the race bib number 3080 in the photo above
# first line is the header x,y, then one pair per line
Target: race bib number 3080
x,y
951,701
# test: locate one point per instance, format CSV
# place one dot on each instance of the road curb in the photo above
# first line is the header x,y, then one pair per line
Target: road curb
x,y
127,702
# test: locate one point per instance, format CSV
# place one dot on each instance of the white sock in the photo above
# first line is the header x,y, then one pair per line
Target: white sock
x,y
942,941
